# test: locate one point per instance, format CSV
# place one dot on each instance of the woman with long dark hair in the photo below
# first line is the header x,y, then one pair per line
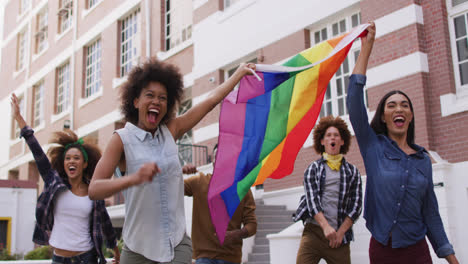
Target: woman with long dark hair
x,y
400,205
66,218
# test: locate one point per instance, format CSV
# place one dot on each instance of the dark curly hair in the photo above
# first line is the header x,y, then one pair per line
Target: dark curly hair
x,y
321,129
57,154
140,76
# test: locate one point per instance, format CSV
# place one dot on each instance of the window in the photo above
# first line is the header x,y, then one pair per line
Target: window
x,y
13,174
24,6
16,128
65,15
334,102
457,14
458,2
178,22
228,3
461,57
92,3
5,233
93,68
38,107
21,50
63,88
41,31
129,42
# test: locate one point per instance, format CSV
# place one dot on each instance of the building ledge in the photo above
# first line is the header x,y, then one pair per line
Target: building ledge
x,y
451,103
164,55
84,101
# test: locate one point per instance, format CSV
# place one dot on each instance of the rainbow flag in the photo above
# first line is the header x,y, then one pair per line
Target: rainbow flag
x,y
263,124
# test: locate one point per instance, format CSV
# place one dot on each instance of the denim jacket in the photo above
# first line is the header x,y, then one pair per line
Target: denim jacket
x,y
400,198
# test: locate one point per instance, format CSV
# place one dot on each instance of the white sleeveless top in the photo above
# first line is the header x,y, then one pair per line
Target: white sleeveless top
x,y
71,230
154,212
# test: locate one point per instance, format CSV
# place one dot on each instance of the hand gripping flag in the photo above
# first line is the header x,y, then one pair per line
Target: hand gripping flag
x,y
263,124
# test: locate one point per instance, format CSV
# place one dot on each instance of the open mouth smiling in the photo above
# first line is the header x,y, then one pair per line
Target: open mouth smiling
x,y
153,115
399,121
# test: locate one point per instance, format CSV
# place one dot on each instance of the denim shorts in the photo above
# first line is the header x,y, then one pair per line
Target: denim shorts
x,y
89,257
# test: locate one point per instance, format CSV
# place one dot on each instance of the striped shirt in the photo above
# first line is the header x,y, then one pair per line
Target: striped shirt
x,y
349,199
100,223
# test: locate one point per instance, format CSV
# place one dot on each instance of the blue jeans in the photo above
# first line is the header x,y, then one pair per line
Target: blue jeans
x,y
89,257
212,261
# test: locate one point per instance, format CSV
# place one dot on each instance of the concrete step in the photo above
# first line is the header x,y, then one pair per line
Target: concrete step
x,y
271,210
259,257
274,218
261,241
261,249
274,225
265,232
263,206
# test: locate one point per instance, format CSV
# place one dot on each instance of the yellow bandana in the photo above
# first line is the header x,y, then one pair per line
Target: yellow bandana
x,y
333,161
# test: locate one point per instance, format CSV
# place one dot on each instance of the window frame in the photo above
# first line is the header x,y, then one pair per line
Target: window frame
x,y
62,106
173,36
133,41
92,3
452,13
42,33
24,6
8,233
65,16
38,104
95,69
21,49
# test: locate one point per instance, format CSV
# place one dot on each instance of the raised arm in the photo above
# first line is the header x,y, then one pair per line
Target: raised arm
x,y
102,186
367,42
15,111
42,162
187,121
355,98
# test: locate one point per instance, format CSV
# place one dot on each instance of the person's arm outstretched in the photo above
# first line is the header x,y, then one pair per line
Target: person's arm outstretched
x,y
355,98
102,186
180,125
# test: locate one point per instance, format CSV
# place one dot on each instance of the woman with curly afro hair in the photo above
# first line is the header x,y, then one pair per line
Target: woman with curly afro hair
x,y
66,218
144,152
333,197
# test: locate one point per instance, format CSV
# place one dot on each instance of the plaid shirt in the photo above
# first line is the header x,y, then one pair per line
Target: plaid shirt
x,y
349,200
100,223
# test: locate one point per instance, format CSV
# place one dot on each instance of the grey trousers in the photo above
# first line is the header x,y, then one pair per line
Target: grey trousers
x,y
182,255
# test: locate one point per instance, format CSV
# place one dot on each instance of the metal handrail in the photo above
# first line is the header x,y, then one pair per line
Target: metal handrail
x,y
193,154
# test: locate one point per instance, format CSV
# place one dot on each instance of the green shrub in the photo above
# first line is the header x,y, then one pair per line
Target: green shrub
x,y
109,252
5,255
44,252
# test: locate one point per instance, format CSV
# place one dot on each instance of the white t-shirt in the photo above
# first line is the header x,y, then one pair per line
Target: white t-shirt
x,y
71,230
